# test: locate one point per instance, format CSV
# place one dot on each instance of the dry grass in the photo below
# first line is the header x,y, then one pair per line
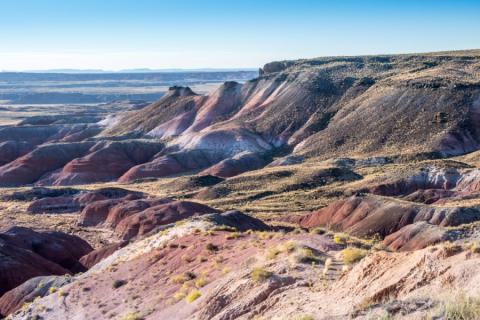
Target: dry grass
x,y
341,238
462,307
351,255
260,274
131,316
192,296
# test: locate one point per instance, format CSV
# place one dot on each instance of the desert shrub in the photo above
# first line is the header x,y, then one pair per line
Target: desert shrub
x,y
180,278
341,238
226,270
52,290
475,248
264,235
318,231
233,235
451,249
272,253
118,283
351,255
192,296
190,275
260,274
62,293
211,247
289,246
297,231
306,255
224,228
131,316
304,317
179,295
462,307
200,282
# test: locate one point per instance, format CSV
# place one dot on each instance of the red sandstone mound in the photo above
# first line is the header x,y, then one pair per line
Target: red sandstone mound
x,y
369,216
238,220
131,216
98,255
172,164
145,221
58,247
416,236
69,200
33,135
28,291
432,185
11,150
106,161
237,164
36,193
26,254
18,265
97,211
46,158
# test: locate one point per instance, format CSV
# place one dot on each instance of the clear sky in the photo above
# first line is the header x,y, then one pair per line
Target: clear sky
x,y
120,34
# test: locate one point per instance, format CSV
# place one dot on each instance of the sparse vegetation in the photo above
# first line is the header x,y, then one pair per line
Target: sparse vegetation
x,y
211,247
319,231
62,293
200,282
118,283
475,248
351,255
226,270
179,279
341,238
233,235
259,274
131,316
451,249
304,317
272,253
307,255
462,307
192,296
289,246
224,228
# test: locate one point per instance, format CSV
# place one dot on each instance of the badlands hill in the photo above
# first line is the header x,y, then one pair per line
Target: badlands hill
x,y
329,188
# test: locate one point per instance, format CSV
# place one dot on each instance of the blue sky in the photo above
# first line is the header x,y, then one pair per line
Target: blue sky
x,y
119,34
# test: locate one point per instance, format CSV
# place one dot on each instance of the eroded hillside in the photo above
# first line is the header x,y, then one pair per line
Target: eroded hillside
x,y
331,188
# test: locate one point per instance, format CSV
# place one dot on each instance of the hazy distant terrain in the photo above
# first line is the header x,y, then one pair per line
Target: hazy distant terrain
x,y
58,88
